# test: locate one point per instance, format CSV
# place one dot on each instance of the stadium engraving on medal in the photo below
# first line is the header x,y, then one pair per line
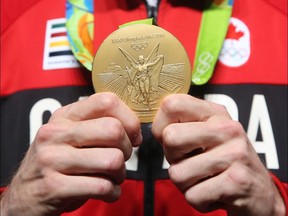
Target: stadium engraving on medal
x,y
141,64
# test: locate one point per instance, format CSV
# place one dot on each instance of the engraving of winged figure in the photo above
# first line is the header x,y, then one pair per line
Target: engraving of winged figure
x,y
144,76
141,84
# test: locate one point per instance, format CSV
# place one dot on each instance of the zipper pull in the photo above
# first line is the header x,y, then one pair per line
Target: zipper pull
x,y
152,8
152,12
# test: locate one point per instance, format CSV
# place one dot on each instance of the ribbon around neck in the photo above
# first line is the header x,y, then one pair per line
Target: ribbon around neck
x,y
80,30
213,29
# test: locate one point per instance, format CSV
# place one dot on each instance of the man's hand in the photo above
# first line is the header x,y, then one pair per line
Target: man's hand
x,y
212,161
79,154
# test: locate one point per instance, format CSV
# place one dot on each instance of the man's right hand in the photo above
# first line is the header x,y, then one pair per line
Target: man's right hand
x,y
79,154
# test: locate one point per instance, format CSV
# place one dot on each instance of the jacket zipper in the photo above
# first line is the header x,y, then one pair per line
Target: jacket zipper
x,y
152,10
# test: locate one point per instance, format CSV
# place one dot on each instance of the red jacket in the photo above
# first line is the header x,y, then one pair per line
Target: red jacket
x,y
30,90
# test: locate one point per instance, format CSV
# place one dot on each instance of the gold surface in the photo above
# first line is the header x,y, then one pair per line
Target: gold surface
x,y
141,64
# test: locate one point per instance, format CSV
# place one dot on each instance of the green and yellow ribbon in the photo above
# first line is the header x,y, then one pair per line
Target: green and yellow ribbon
x,y
213,29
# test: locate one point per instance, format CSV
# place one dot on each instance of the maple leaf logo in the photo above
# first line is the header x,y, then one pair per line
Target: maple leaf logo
x,y
232,33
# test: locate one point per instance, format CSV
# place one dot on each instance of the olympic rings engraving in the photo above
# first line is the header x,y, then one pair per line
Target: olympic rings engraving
x,y
139,45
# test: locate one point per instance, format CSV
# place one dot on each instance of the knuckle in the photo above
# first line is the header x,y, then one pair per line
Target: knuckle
x,y
115,129
169,137
64,111
236,129
70,110
170,105
115,161
116,132
45,132
241,179
193,200
108,100
58,112
240,153
103,187
231,128
220,108
133,125
175,174
45,157
99,188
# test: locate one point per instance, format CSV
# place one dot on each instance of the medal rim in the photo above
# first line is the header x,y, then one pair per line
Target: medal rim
x,y
134,30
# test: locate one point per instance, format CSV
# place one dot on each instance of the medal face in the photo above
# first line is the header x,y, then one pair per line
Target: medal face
x,y
141,64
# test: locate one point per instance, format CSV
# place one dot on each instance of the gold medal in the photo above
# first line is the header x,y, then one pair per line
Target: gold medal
x,y
141,64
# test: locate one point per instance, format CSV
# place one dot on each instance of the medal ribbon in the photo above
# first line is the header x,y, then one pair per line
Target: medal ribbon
x,y
213,28
80,30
